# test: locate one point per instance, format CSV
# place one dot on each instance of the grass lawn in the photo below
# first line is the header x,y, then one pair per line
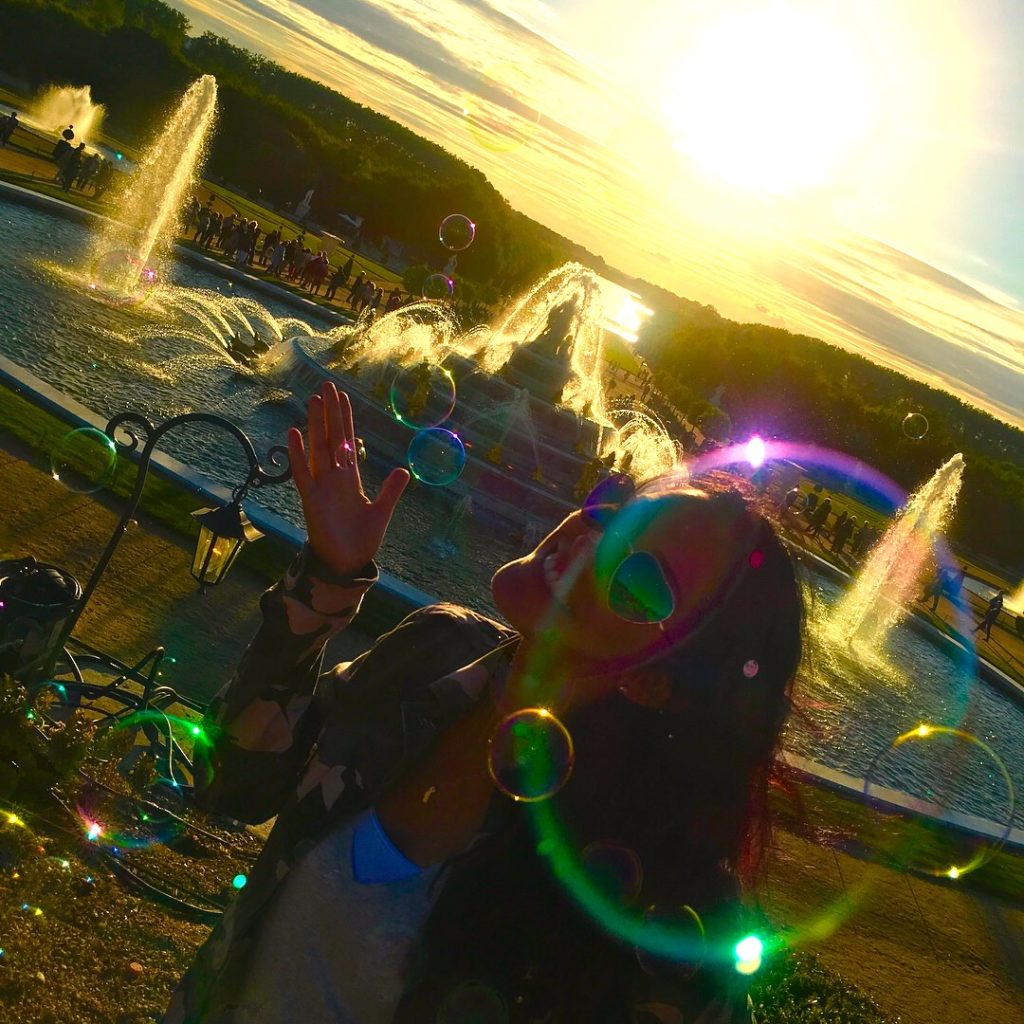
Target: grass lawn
x,y
619,354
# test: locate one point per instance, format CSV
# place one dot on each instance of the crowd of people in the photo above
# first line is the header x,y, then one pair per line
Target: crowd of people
x,y
243,241
79,169
76,167
249,245
844,531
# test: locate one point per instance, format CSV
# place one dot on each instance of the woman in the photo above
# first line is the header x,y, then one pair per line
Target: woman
x,y
398,884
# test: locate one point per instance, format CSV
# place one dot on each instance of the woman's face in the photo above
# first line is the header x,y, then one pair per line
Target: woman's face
x,y
562,585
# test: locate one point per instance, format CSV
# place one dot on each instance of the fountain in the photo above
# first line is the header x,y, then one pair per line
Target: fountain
x,y
152,205
530,408
172,350
58,106
882,592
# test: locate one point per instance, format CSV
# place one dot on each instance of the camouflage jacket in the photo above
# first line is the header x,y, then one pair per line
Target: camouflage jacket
x,y
315,748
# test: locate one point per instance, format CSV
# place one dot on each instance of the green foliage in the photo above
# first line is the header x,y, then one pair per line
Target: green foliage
x,y
413,278
795,988
158,20
711,420
36,754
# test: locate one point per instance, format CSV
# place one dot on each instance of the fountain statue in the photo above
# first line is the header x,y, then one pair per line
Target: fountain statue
x,y
543,365
58,106
150,216
884,589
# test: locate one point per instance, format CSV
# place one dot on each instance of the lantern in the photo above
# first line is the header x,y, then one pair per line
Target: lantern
x,y
222,533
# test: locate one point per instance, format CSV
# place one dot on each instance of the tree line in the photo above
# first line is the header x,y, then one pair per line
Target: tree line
x,y
784,385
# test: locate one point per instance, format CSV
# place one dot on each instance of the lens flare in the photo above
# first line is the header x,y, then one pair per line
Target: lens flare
x,y
756,452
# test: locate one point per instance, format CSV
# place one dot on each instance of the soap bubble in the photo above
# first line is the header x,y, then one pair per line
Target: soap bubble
x,y
438,287
672,940
530,755
436,456
473,1003
457,232
120,278
422,395
614,869
915,425
929,778
84,461
751,668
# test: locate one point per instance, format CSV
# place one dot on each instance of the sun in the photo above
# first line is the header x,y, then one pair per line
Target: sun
x,y
771,101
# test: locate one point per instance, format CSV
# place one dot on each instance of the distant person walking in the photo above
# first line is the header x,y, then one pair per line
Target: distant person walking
x,y
60,150
71,164
355,291
819,518
8,127
812,501
277,259
842,534
988,620
954,584
394,300
227,227
202,224
338,279
90,167
933,588
269,245
103,179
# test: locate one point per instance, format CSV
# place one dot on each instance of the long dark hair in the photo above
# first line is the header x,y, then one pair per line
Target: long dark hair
x,y
683,787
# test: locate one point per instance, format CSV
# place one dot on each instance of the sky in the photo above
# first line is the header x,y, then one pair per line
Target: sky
x,y
845,170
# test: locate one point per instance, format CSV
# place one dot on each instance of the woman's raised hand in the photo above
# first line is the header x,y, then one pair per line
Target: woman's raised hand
x,y
345,528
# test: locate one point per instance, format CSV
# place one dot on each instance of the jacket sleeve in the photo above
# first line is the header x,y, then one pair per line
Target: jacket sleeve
x,y
260,727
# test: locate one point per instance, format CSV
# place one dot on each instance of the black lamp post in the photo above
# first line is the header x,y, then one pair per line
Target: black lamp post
x,y
222,531
222,534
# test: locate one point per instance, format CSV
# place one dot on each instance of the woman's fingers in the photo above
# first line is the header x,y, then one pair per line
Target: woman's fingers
x,y
350,435
390,491
319,453
347,421
297,461
335,424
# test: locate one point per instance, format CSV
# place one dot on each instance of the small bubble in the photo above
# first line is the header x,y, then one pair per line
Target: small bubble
x,y
915,425
84,461
457,232
438,287
473,1003
751,668
530,755
436,456
422,395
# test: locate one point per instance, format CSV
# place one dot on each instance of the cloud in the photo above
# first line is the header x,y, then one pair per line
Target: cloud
x,y
585,157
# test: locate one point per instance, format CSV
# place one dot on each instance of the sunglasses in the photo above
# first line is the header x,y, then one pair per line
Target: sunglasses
x,y
638,586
